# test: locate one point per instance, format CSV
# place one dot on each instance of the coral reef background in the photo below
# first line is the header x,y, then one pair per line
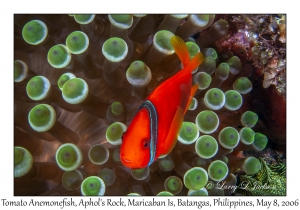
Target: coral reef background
x,y
258,40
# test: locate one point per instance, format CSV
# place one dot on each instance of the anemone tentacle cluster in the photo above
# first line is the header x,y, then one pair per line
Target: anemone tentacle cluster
x,y
78,81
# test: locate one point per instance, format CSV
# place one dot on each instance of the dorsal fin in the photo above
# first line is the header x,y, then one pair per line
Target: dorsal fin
x,y
195,62
181,50
183,54
193,91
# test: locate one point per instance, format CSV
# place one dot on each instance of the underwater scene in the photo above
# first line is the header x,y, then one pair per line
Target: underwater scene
x,y
156,104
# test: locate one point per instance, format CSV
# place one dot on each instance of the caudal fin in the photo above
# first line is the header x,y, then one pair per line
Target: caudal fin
x,y
181,50
183,54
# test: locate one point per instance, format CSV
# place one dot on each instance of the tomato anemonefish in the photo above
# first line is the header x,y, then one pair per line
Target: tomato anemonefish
x,y
154,128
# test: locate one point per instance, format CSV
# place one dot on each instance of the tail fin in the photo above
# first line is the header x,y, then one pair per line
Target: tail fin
x,y
183,54
181,50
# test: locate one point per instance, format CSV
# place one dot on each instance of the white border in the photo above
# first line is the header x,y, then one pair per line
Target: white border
x,y
67,61
196,136
87,22
85,47
193,6
24,71
45,33
119,140
78,161
80,98
47,87
49,125
120,25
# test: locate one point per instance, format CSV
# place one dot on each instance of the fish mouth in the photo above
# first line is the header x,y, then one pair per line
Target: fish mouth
x,y
125,160
129,163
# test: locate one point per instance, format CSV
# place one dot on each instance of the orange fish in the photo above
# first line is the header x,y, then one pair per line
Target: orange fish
x,y
154,128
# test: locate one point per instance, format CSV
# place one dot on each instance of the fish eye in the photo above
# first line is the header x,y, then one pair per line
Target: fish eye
x,y
145,143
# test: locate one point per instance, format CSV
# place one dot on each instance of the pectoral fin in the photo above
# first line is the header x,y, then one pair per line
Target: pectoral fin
x,y
171,138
